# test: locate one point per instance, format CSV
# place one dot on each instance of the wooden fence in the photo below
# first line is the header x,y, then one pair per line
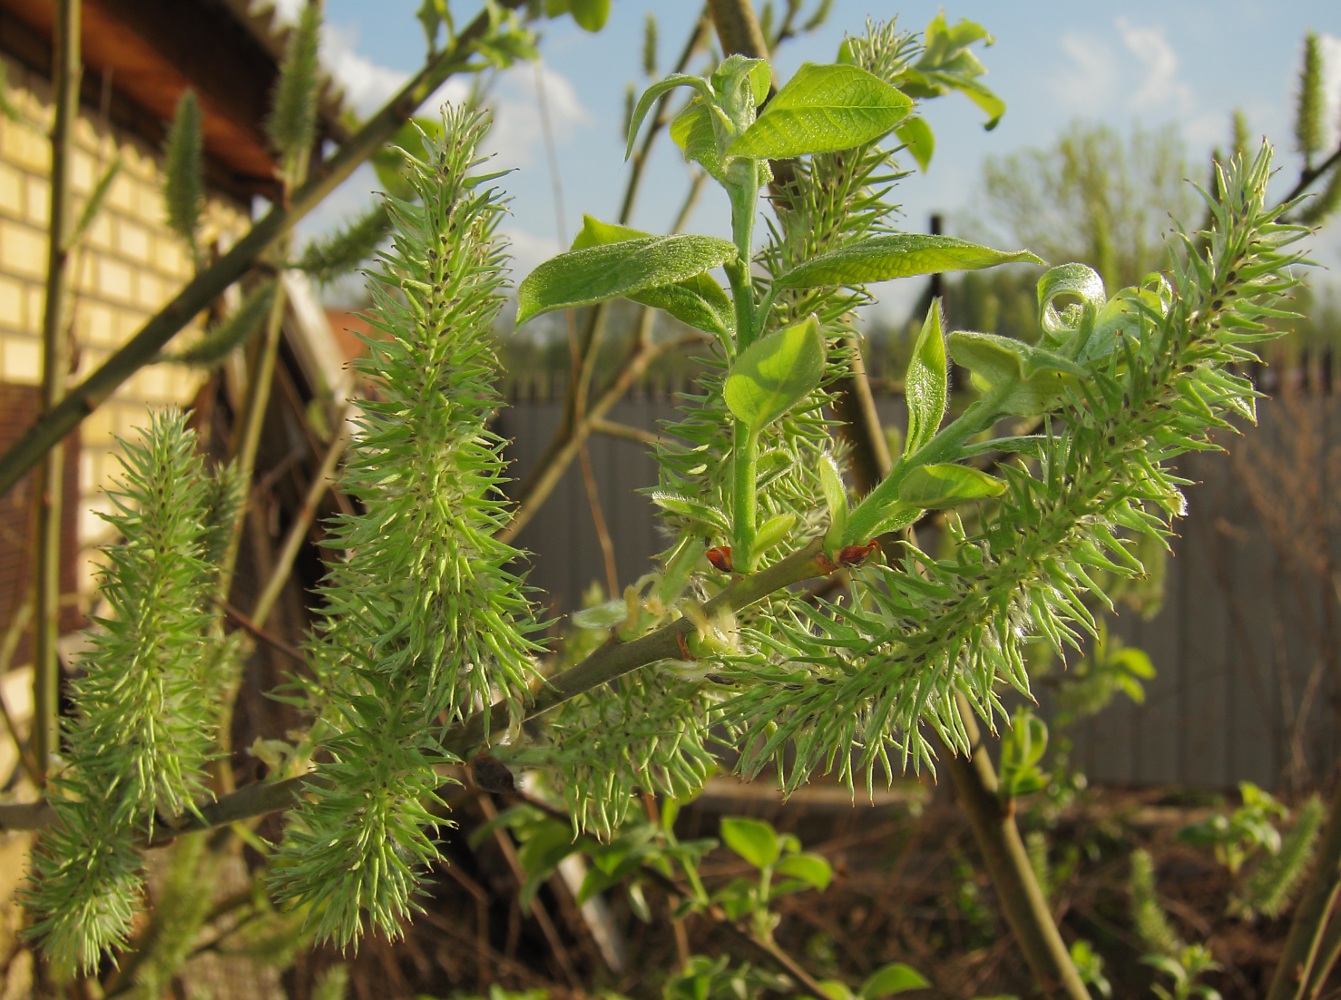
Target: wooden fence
x,y
1246,643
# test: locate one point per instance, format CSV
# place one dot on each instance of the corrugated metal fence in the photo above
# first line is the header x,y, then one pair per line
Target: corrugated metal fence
x,y
1246,644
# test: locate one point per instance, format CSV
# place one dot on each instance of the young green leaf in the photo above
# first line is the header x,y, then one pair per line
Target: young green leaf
x,y
812,869
655,92
947,64
823,109
890,979
432,15
696,511
926,383
692,130
595,274
946,484
590,15
1074,281
1039,376
895,517
774,530
897,255
737,68
835,498
774,374
918,139
752,839
699,301
1021,749
602,616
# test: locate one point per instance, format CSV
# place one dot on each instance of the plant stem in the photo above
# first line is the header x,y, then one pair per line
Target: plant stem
x,y
260,377
48,487
612,660
1003,851
744,496
1311,916
143,348
979,417
1007,864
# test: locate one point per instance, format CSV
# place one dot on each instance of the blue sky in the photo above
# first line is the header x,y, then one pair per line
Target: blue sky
x,y
1175,62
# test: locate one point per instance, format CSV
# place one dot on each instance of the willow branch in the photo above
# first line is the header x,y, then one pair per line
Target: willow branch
x,y
614,429
1007,863
47,494
1308,176
610,661
143,348
998,837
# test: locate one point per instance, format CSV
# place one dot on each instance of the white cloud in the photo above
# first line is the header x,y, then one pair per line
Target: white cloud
x,y
517,135
1160,86
528,249
288,10
1331,83
367,85
1086,83
1097,78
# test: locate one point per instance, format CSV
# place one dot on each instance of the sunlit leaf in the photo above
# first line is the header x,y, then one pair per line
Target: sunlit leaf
x,y
945,485
897,255
774,374
823,109
595,274
699,301
926,384
812,869
590,15
654,93
693,132
918,140
890,979
752,839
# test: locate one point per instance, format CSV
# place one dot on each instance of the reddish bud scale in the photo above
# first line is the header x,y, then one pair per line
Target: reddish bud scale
x,y
852,555
720,557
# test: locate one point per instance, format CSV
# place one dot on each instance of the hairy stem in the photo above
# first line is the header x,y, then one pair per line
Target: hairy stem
x,y
744,495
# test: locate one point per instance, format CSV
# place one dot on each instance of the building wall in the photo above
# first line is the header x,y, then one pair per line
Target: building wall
x,y
130,265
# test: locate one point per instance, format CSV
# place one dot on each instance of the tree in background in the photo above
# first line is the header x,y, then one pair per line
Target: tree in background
x,y
1093,196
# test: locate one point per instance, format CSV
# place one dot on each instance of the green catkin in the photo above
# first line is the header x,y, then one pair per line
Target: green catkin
x,y
424,620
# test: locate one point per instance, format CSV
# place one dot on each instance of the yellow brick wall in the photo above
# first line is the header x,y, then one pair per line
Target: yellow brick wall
x,y
129,267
